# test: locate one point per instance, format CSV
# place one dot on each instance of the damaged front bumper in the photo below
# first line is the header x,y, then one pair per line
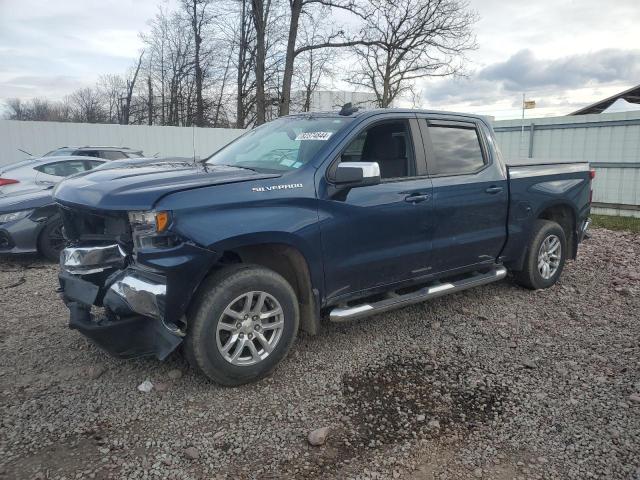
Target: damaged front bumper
x,y
143,301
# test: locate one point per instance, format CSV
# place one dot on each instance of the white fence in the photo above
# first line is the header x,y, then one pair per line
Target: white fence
x,y
610,142
38,138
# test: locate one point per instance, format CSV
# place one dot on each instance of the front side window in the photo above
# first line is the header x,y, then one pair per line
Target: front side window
x,y
62,169
388,144
456,150
279,146
91,164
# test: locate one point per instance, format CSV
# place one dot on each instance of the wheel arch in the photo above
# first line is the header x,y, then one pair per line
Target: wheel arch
x,y
44,216
286,259
566,216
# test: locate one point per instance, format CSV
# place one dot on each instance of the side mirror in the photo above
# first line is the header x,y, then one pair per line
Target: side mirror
x,y
357,174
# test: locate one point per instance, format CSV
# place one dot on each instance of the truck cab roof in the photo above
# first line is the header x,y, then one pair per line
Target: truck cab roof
x,y
361,113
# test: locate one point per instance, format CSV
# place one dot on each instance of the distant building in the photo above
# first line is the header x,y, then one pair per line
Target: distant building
x,y
621,102
327,100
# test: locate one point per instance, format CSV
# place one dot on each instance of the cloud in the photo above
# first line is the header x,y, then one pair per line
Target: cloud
x,y
525,72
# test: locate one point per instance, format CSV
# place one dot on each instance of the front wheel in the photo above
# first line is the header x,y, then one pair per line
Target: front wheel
x,y
546,253
243,324
51,240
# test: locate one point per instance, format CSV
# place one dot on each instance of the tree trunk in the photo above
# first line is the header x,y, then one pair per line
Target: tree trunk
x,y
259,23
150,101
198,43
285,99
242,56
130,86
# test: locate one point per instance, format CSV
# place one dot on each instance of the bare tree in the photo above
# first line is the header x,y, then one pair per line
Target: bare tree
x,y
412,39
39,109
260,16
335,38
19,111
243,40
170,65
200,17
130,84
86,106
314,67
112,88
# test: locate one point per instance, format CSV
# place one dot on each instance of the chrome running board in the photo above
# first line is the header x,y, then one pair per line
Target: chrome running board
x,y
394,300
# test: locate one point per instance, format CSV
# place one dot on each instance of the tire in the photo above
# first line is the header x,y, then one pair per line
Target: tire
x,y
51,241
531,276
228,290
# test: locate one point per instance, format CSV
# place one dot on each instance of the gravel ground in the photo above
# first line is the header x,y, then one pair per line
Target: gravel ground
x,y
496,382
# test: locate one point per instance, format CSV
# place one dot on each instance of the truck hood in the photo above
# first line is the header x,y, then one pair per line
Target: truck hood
x,y
139,184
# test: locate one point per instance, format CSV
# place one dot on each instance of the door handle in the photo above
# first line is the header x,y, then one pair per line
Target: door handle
x,y
417,198
493,190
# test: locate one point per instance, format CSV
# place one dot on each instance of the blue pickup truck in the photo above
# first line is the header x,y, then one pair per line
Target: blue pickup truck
x,y
311,216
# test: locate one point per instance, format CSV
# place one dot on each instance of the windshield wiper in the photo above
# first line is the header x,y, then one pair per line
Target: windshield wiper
x,y
235,166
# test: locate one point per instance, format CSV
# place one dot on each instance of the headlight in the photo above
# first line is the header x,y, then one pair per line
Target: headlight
x,y
152,222
149,229
10,217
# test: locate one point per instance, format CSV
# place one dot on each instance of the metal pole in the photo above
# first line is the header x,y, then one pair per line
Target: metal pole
x,y
522,128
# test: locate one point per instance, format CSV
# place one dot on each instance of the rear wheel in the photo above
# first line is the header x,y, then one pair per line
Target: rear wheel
x,y
242,325
51,240
546,253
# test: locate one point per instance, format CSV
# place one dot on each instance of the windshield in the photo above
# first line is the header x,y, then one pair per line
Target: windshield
x,y
282,145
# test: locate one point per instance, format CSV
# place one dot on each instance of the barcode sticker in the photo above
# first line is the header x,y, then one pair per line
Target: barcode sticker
x,y
323,136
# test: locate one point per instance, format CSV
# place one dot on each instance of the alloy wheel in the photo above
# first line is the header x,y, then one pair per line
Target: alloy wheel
x,y
249,328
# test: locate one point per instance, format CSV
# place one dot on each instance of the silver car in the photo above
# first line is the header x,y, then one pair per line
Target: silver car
x,y
39,173
107,153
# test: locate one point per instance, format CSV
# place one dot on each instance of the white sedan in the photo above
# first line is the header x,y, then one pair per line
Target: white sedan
x,y
39,173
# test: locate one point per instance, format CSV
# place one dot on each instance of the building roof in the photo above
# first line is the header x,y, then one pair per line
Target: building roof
x,y
631,95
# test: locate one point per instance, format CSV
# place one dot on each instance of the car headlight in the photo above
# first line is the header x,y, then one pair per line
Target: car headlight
x,y
12,216
149,229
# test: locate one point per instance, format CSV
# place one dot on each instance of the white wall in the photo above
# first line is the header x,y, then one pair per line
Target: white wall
x,y
609,141
41,137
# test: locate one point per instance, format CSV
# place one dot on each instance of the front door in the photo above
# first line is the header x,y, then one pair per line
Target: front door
x,y
378,235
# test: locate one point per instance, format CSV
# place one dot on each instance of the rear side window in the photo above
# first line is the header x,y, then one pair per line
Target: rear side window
x,y
62,169
87,153
112,155
456,150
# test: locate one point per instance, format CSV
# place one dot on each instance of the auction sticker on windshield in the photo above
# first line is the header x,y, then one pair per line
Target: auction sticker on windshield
x,y
314,136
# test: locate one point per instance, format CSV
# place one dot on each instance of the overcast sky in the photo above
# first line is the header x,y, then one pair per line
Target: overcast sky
x,y
564,54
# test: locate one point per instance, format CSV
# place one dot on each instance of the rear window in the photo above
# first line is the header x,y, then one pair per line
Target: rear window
x,y
456,150
61,152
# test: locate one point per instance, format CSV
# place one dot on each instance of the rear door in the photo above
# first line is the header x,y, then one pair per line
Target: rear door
x,y
470,194
378,235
